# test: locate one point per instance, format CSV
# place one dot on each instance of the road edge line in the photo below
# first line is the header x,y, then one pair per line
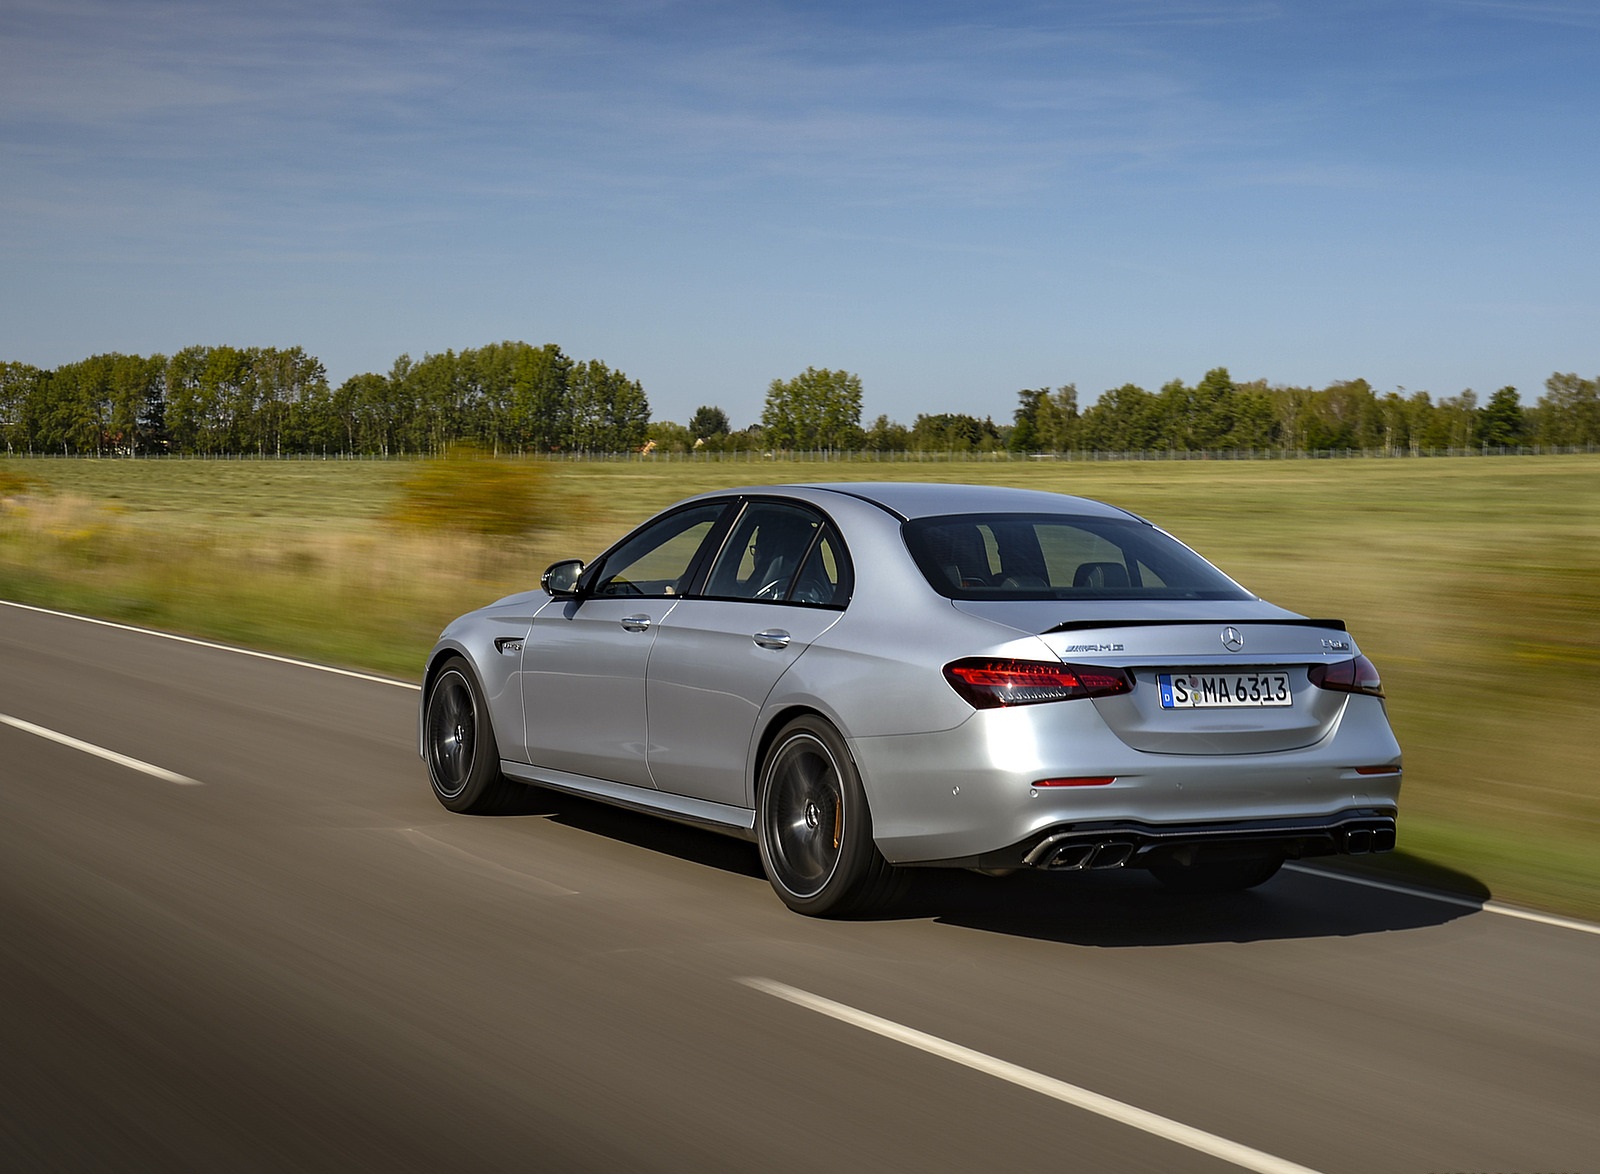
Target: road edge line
x,y
198,643
1499,908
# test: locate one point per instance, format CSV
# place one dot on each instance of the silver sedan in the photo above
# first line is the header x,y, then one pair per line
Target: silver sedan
x,y
866,677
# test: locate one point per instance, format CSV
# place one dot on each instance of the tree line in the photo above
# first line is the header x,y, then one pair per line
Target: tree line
x,y
820,410
508,397
515,398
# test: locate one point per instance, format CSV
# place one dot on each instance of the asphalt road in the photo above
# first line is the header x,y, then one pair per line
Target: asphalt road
x,y
283,955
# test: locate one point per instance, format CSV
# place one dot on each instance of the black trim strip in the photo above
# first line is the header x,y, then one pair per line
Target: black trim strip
x,y
1085,625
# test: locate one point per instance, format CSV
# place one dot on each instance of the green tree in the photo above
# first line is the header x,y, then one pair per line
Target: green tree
x,y
1569,411
1500,423
1059,419
1174,405
1395,422
1213,412
540,412
183,397
817,409
20,386
1025,420
104,404
1255,423
1447,423
210,400
887,436
1345,415
953,432
278,382
664,436
435,385
708,422
1124,419
1045,421
609,411
1421,413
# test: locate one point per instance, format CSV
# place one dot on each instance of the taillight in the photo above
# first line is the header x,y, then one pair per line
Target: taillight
x,y
988,684
1348,676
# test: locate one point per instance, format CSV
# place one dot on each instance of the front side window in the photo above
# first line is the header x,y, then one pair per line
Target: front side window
x,y
1049,556
657,561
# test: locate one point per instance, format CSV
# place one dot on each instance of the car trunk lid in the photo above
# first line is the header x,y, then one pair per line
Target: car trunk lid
x,y
1233,681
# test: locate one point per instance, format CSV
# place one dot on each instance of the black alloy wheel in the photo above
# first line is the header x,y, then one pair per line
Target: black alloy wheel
x,y
814,827
459,745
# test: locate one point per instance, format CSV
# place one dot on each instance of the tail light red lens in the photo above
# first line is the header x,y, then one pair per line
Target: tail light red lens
x,y
989,684
1348,676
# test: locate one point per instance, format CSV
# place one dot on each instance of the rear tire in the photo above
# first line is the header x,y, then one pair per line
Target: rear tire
x,y
459,747
814,828
1219,876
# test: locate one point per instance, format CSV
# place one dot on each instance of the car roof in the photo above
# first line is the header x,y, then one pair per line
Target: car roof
x,y
918,499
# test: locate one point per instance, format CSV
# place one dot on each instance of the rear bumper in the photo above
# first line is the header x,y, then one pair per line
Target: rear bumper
x,y
1135,844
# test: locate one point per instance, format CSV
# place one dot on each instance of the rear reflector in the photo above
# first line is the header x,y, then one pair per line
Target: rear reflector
x,y
1094,781
989,684
1377,770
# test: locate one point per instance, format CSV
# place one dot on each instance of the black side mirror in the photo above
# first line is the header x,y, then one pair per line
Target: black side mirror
x,y
561,579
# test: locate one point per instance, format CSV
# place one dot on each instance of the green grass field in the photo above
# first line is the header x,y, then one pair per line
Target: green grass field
x,y
1474,583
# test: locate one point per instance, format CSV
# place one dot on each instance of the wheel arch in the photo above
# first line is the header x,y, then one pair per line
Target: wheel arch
x,y
430,673
774,724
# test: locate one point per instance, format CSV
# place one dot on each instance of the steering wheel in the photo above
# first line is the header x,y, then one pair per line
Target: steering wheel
x,y
812,590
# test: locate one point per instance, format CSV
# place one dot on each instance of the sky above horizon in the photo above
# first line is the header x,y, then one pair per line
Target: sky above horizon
x,y
953,200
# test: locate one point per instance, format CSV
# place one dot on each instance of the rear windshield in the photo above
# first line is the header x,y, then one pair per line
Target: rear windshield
x,y
1055,556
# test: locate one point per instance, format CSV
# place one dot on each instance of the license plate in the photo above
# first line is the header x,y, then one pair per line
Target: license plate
x,y
1223,690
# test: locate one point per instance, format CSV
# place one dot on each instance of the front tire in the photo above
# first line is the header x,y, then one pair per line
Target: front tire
x,y
814,828
459,747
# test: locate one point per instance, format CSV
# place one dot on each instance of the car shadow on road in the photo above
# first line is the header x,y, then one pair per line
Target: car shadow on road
x,y
1111,908
651,832
1120,908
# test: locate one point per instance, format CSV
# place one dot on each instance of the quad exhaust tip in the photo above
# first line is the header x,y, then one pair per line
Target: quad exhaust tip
x,y
1082,855
1360,841
1080,851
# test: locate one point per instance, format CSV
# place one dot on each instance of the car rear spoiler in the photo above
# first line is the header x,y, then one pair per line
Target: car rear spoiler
x,y
1084,625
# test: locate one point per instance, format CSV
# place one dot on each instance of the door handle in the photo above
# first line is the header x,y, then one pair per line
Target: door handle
x,y
774,638
636,623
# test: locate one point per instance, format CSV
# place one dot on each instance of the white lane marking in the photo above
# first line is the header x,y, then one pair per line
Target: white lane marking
x,y
158,772
1071,1094
305,664
1503,910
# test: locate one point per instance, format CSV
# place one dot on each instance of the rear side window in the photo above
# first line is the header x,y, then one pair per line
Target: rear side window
x,y
779,552
1056,556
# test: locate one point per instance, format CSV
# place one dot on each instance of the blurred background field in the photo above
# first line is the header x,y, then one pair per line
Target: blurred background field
x,y
1474,583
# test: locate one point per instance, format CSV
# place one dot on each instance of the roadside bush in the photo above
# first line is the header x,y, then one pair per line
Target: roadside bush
x,y
14,485
470,491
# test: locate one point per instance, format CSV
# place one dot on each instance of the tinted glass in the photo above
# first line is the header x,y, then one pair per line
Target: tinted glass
x,y
826,577
656,560
1055,556
783,553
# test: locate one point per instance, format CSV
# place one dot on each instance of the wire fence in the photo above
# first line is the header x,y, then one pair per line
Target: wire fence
x,y
851,456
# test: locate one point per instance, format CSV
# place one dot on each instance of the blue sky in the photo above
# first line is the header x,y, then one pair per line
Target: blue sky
x,y
953,200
